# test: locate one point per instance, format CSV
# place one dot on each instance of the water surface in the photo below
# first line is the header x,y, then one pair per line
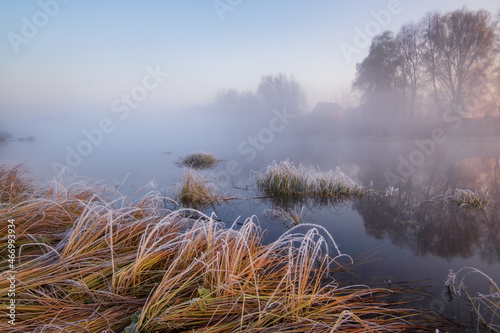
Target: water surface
x,y
412,237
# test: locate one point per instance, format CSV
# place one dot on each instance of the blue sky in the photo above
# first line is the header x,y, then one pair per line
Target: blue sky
x,y
86,54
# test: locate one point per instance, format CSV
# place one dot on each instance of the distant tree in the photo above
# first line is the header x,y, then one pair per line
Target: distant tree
x,y
236,101
227,97
410,42
492,88
378,77
451,58
282,92
460,49
429,56
346,97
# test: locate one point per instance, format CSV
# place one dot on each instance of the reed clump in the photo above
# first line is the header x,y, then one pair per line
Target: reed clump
x,y
32,205
199,160
197,191
287,180
86,264
466,198
13,185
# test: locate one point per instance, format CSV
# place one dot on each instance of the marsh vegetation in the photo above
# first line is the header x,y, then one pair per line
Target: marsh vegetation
x,y
284,179
195,190
468,199
86,263
199,160
485,300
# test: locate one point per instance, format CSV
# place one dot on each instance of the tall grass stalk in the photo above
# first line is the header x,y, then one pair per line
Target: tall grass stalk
x,y
85,264
485,304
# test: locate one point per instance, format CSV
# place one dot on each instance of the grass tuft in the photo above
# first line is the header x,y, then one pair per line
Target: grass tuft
x,y
199,160
197,191
14,186
469,199
287,180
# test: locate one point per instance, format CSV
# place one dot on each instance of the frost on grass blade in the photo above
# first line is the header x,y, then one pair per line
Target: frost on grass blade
x,y
287,180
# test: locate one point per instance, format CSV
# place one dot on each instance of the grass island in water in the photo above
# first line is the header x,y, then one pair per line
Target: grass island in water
x,y
199,160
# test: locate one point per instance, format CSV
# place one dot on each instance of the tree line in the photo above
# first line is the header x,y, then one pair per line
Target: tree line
x,y
444,61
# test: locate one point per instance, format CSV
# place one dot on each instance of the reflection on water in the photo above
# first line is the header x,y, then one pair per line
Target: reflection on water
x,y
425,218
436,227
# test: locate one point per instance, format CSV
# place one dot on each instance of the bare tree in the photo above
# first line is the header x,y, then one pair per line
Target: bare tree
x,y
227,97
410,45
281,92
429,56
460,51
346,97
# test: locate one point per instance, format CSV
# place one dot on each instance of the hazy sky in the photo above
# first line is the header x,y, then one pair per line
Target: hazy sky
x,y
62,56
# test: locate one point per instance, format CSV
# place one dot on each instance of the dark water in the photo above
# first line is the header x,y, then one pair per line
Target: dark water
x,y
411,237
